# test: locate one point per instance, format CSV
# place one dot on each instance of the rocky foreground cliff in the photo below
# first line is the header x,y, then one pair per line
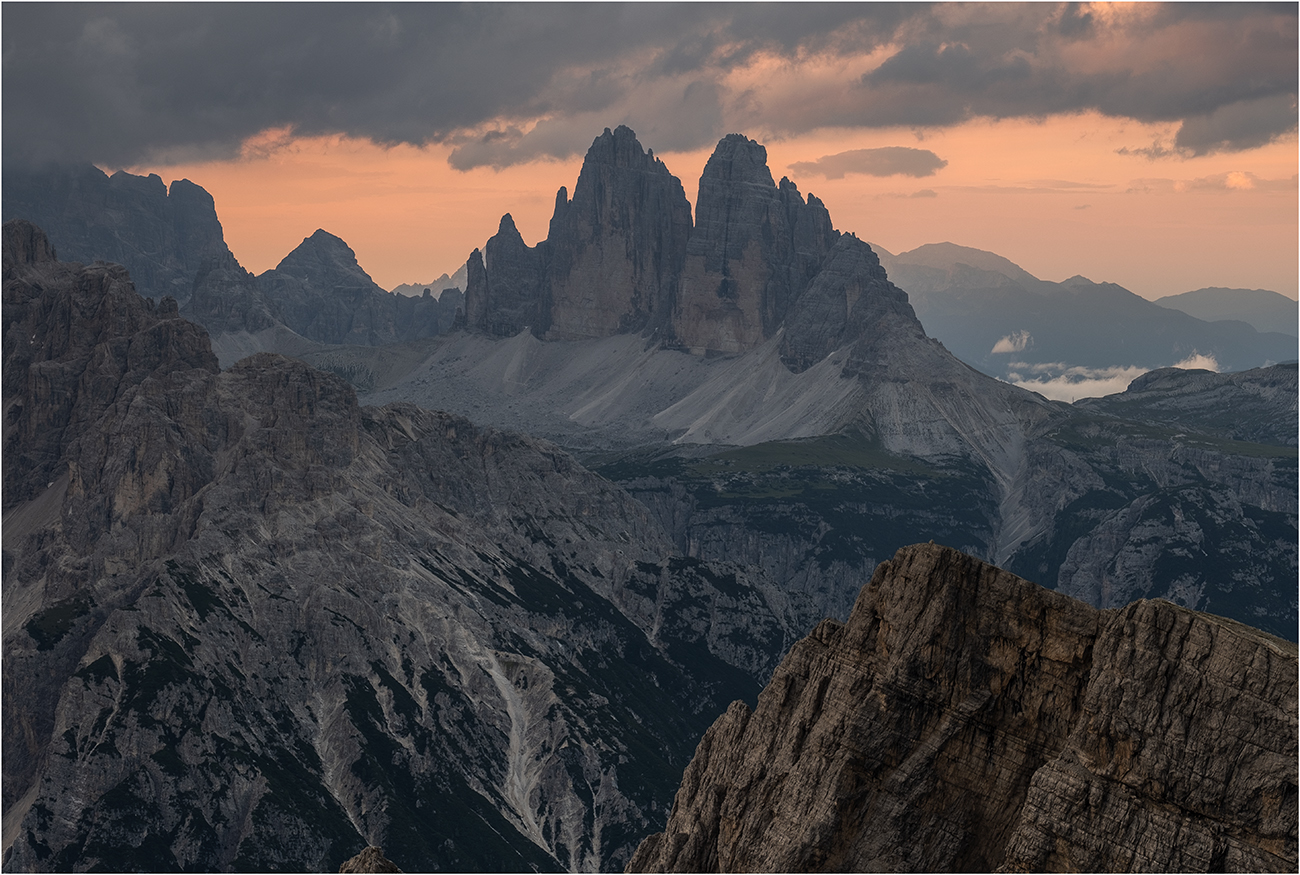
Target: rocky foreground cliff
x,y
965,719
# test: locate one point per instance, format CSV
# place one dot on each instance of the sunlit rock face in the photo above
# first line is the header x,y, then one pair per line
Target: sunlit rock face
x,y
966,720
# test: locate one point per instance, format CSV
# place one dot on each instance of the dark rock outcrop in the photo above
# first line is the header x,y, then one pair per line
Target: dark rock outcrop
x,y
850,300
162,236
511,286
610,263
70,358
964,719
320,292
171,243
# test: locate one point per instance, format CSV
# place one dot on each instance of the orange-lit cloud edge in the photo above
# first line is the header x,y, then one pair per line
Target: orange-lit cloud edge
x,y
1058,196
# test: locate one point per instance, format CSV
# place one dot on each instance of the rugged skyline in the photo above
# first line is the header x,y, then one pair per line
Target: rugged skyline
x,y
1149,145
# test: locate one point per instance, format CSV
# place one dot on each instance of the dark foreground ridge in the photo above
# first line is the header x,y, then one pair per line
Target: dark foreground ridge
x,y
965,719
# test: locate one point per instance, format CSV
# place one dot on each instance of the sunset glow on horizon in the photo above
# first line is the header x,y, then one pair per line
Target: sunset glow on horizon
x,y
1152,145
1054,196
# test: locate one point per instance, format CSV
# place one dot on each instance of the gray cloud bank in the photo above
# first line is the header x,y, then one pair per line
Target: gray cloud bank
x,y
885,161
126,84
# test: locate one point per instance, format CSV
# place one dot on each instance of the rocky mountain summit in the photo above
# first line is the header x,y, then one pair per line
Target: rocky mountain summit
x,y
171,242
163,235
317,295
252,624
964,719
623,256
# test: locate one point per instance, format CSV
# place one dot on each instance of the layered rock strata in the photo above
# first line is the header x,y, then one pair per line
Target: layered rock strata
x,y
964,719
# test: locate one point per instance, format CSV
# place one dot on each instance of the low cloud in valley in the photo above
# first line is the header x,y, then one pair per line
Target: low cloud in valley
x,y
1062,382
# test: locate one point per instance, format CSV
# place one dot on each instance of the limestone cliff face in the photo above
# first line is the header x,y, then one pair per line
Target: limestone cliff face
x,y
68,358
616,249
622,256
251,624
511,285
755,248
964,719
611,261
162,235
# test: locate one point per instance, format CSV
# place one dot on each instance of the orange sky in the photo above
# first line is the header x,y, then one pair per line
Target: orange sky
x,y
1054,196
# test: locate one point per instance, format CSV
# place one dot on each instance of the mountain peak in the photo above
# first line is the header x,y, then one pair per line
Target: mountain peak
x,y
737,158
619,148
324,254
947,255
508,227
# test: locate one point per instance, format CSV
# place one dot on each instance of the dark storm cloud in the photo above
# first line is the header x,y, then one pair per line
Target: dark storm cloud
x,y
885,161
123,84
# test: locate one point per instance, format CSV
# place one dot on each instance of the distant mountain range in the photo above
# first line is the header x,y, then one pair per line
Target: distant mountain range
x,y
1263,310
1008,323
435,288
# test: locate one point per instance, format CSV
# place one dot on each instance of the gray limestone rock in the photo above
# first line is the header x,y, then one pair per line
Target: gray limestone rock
x,y
850,299
320,292
754,250
616,250
964,719
610,264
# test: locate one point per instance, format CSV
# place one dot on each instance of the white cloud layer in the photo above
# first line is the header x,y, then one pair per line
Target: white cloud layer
x,y
1062,382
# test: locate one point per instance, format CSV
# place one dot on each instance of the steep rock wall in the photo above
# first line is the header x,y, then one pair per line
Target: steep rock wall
x,y
965,719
